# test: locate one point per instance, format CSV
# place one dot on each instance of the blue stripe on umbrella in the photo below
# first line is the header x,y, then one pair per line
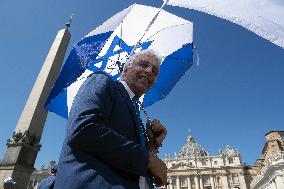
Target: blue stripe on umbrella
x,y
171,71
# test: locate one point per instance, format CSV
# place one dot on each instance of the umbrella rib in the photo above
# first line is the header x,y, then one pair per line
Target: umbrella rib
x,y
119,42
147,29
165,29
184,60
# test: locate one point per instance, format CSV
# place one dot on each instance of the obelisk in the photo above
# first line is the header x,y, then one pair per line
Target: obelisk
x,y
23,146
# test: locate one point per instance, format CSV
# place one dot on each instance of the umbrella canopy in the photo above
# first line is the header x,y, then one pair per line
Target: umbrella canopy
x,y
106,48
263,17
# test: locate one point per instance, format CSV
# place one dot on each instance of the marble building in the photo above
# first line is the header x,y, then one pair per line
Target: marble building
x,y
37,176
270,167
40,174
194,168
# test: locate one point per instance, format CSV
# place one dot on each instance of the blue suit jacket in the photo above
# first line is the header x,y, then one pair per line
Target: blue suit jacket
x,y
101,149
47,183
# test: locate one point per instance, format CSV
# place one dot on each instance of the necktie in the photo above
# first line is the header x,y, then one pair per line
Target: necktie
x,y
140,127
142,135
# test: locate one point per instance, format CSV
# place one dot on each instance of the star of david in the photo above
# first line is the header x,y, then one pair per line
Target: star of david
x,y
117,53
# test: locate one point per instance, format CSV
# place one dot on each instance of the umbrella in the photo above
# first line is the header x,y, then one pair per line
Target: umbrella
x,y
265,17
107,47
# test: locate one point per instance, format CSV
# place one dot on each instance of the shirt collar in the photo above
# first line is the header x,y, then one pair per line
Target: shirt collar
x,y
131,94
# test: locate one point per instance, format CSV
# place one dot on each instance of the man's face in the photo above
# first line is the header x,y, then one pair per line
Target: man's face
x,y
142,74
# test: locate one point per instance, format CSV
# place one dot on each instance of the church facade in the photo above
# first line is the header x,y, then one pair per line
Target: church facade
x,y
194,168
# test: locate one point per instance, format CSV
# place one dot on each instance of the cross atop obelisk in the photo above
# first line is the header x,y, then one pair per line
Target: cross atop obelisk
x,y
68,23
23,146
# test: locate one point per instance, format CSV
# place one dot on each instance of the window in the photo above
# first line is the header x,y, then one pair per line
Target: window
x,y
230,160
183,182
215,162
206,180
235,178
204,162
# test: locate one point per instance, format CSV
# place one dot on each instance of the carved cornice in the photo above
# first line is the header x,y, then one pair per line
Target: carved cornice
x,y
19,138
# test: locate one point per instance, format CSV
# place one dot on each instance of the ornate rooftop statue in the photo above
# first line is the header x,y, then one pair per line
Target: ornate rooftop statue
x,y
229,151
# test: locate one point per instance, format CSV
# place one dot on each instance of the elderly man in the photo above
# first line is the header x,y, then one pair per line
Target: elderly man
x,y
106,146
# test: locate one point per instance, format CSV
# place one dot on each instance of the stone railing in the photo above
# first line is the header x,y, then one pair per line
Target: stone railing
x,y
270,161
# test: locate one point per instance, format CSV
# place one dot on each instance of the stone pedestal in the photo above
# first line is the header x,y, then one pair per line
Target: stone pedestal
x,y
21,154
23,146
19,173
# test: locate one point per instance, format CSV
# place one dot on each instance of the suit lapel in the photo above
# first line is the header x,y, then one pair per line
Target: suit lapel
x,y
127,99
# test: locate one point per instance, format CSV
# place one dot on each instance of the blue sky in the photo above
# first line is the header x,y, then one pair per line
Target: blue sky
x,y
233,97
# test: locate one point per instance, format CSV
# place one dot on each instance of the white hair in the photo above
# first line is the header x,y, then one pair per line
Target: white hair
x,y
148,52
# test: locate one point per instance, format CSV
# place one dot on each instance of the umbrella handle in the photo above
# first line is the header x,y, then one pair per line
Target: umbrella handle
x,y
151,126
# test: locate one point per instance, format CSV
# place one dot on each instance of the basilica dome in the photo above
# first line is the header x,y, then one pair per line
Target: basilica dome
x,y
191,148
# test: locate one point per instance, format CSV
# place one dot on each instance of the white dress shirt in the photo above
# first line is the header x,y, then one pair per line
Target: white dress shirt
x,y
142,180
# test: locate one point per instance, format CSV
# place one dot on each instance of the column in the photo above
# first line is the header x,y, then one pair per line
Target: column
x,y
212,182
196,182
201,182
178,182
242,181
279,182
188,183
168,186
224,161
171,183
211,164
225,181
273,184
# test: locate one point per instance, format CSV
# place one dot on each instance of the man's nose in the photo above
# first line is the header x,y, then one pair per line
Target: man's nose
x,y
149,70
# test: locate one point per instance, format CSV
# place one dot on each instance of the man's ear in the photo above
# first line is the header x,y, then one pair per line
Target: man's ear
x,y
125,71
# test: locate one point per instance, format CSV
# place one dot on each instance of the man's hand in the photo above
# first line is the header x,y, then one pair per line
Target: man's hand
x,y
158,169
156,133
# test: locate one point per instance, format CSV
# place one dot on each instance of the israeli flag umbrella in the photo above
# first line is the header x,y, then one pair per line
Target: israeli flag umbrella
x,y
106,48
